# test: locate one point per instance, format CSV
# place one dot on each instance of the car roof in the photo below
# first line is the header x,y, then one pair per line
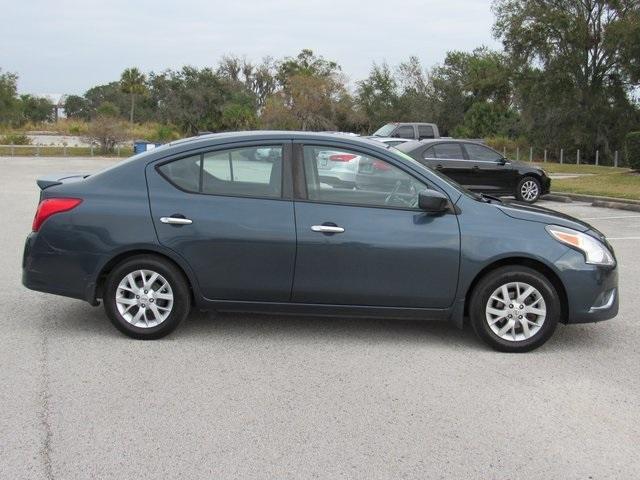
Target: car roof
x,y
269,134
387,139
415,144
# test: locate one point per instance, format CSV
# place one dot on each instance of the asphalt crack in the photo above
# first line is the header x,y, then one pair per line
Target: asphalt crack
x,y
45,396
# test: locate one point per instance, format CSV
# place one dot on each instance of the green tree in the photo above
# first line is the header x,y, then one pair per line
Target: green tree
x,y
133,82
76,106
9,103
467,78
378,97
192,99
576,63
36,109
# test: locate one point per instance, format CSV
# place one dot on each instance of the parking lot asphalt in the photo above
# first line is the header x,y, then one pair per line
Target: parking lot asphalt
x,y
250,396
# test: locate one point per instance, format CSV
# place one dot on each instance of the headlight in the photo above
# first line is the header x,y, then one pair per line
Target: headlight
x,y
594,251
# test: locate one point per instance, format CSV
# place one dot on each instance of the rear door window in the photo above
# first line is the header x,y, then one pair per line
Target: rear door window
x,y
250,171
428,153
452,151
425,131
406,131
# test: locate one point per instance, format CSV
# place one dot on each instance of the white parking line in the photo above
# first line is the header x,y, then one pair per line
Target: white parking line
x,y
623,238
610,218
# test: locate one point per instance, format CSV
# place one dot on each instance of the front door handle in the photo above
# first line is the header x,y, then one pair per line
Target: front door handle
x,y
327,229
176,220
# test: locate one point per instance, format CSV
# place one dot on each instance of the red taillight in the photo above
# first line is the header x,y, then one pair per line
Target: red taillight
x,y
51,206
378,165
342,157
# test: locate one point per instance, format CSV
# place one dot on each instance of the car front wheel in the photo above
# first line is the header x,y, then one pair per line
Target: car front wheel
x,y
514,309
528,190
146,297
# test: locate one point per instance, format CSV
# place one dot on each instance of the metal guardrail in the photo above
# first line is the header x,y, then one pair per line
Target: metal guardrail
x,y
63,151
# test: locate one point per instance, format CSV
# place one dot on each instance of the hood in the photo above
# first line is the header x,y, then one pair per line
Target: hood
x,y
533,213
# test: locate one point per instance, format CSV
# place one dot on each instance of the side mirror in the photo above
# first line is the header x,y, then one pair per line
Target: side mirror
x,y
432,201
502,161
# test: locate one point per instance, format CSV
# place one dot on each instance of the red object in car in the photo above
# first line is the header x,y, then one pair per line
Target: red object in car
x,y
342,157
51,206
378,165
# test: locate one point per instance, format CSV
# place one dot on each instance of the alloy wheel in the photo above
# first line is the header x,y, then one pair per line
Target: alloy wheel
x,y
529,190
516,311
144,298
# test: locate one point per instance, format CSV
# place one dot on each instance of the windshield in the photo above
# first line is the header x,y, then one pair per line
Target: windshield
x,y
385,130
442,177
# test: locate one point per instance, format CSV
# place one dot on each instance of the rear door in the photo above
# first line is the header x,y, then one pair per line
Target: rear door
x,y
371,245
228,212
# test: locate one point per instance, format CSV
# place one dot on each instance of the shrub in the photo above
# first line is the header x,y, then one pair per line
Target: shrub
x,y
107,131
632,149
15,139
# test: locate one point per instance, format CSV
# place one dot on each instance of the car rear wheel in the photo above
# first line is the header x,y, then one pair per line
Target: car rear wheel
x,y
514,309
529,190
146,297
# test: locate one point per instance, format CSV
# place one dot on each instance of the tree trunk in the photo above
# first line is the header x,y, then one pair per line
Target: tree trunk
x,y
132,107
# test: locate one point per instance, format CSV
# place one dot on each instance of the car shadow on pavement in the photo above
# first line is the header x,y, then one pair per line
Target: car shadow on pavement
x,y
317,328
83,320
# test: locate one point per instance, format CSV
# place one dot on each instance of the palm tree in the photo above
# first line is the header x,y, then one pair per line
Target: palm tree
x,y
133,82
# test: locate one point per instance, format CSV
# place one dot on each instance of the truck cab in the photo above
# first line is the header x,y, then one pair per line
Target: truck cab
x,y
409,130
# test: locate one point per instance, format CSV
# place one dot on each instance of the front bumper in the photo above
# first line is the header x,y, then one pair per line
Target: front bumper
x,y
592,291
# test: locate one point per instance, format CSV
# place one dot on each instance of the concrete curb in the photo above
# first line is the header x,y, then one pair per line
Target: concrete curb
x,y
602,202
634,207
593,198
557,198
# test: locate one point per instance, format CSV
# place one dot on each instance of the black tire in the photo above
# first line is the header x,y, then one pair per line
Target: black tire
x,y
494,280
179,287
529,181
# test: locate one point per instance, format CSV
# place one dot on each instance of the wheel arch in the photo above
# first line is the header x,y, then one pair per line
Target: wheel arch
x,y
534,264
165,255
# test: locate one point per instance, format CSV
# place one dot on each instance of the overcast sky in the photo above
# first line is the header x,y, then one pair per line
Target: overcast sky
x,y
67,46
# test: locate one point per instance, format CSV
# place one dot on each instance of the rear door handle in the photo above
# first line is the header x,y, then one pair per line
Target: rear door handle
x,y
327,229
176,220
439,166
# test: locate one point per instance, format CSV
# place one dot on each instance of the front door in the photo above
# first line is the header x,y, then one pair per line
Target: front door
x,y
226,213
493,174
371,245
449,158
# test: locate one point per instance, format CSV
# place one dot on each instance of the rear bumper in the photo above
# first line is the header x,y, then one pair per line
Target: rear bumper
x,y
61,273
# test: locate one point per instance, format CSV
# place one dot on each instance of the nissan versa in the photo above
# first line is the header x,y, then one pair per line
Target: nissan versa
x,y
244,221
